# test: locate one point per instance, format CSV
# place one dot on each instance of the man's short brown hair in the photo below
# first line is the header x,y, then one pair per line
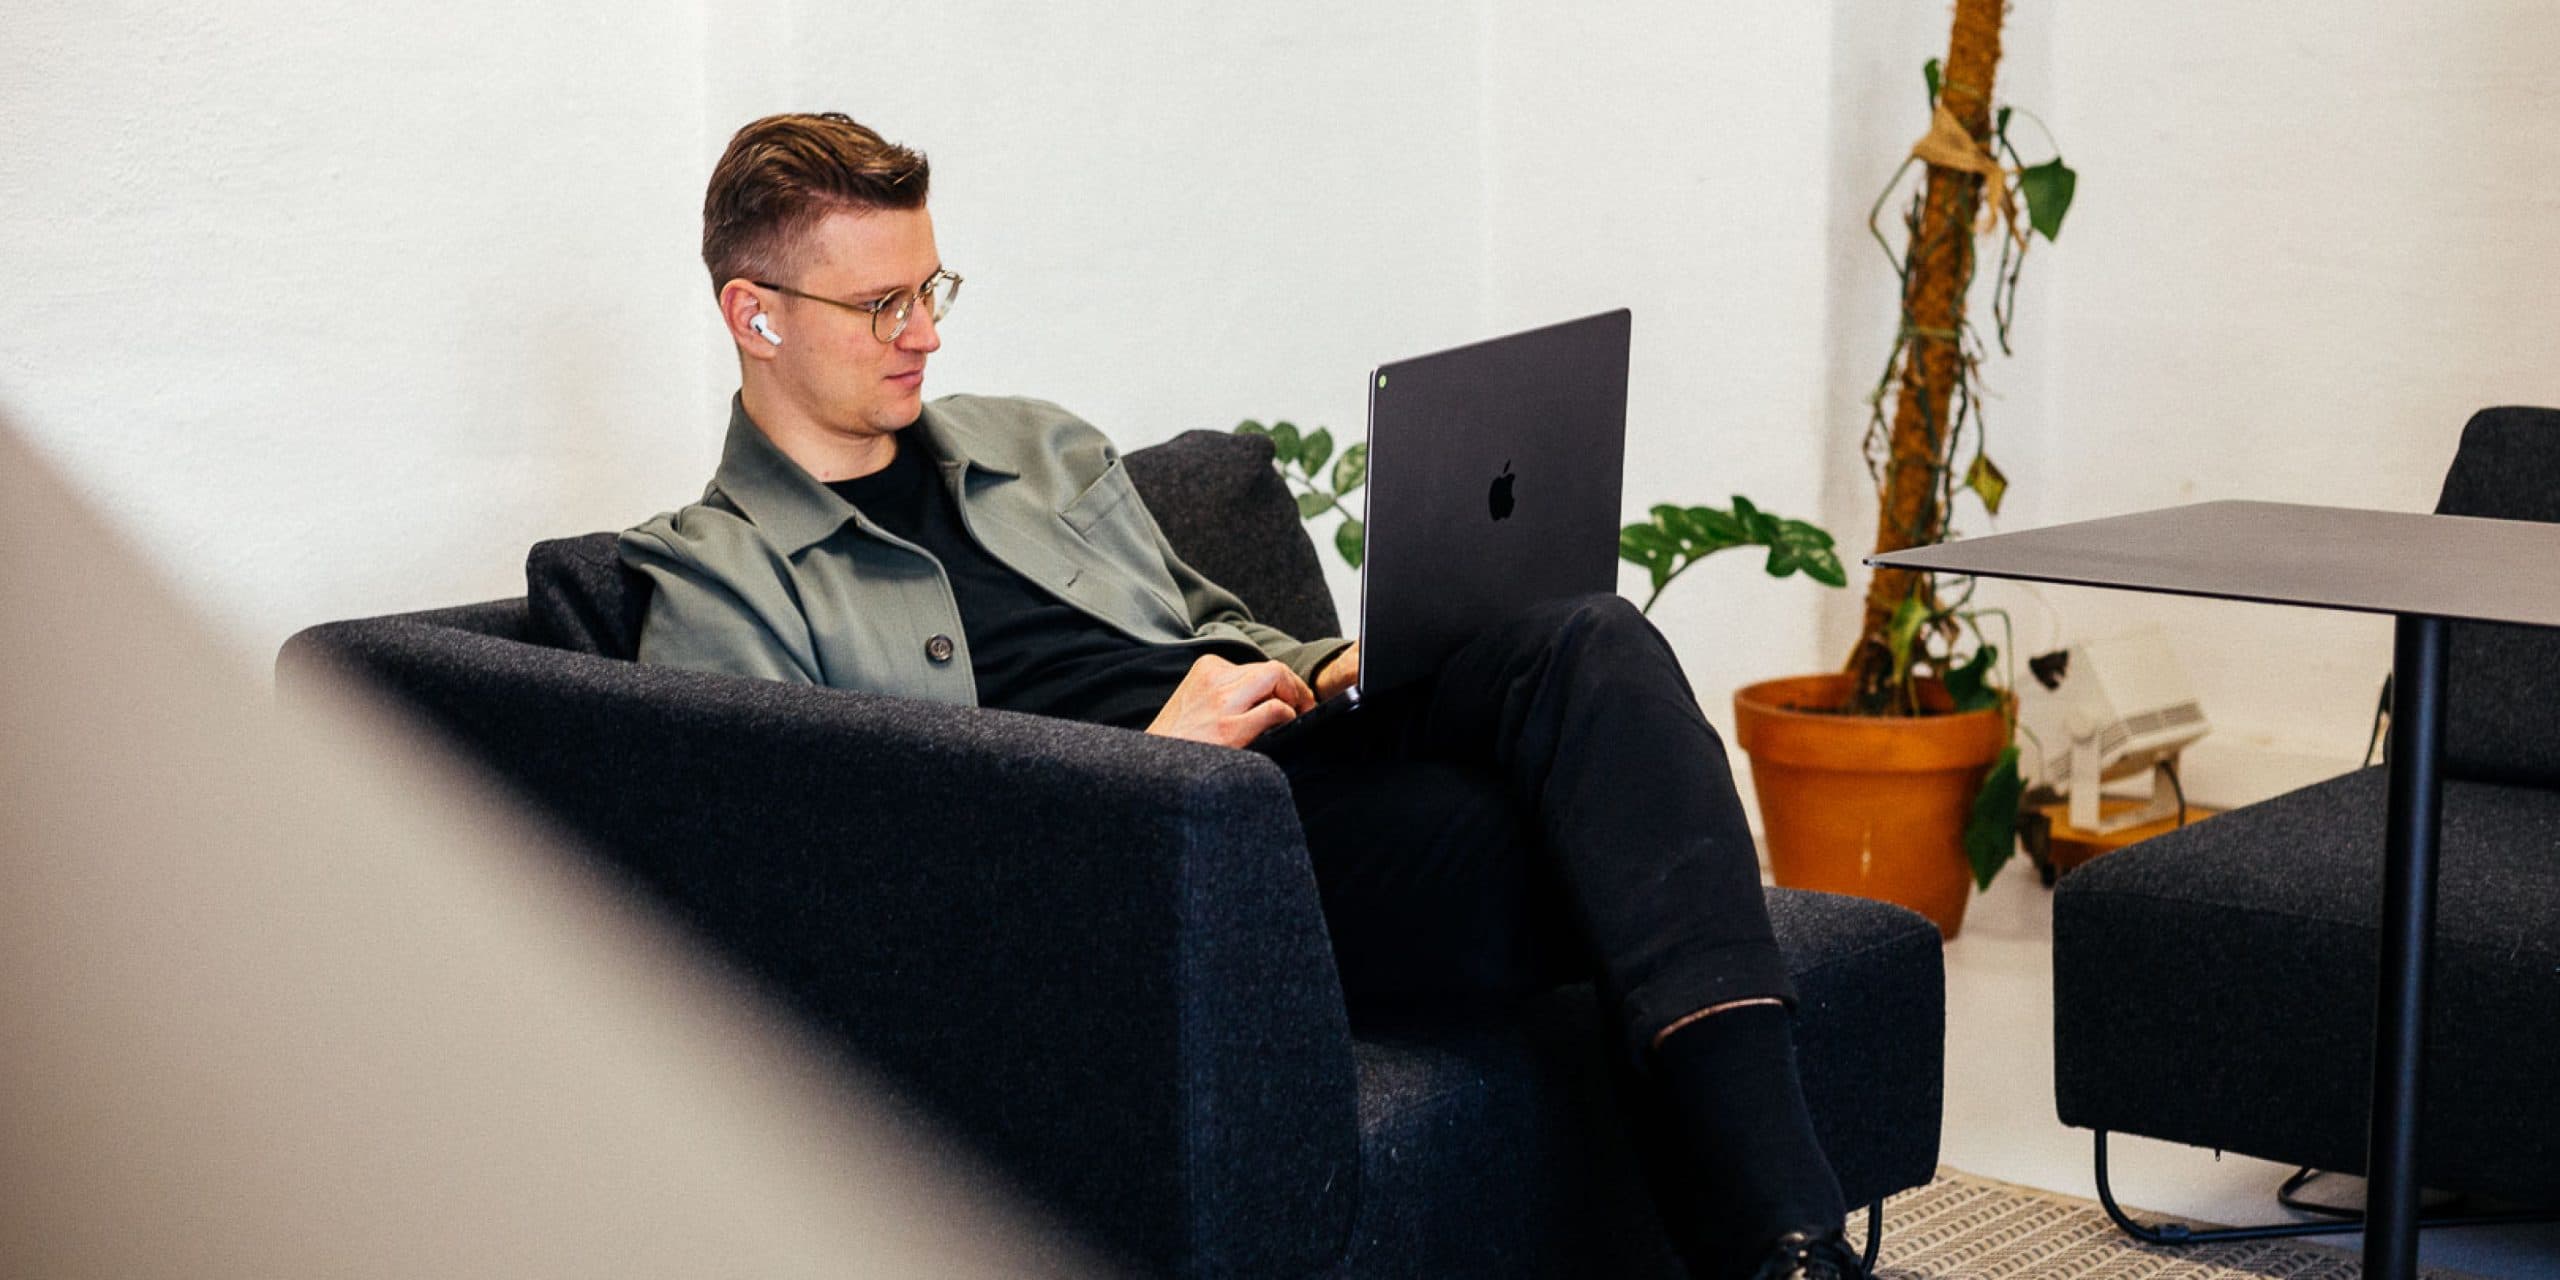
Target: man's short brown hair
x,y
782,174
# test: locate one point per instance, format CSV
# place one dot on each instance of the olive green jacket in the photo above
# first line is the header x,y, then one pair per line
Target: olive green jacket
x,y
773,575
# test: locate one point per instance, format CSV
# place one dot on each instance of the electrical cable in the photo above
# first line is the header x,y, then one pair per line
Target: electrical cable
x,y
2287,1195
2170,767
2381,713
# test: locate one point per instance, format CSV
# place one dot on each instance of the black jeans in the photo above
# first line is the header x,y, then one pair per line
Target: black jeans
x,y
1551,807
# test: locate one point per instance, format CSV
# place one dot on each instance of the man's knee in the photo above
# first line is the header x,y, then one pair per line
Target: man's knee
x,y
1586,633
1605,618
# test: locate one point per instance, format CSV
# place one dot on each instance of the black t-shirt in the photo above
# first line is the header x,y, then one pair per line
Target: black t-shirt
x,y
1030,650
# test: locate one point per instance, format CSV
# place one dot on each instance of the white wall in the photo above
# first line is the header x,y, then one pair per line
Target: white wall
x,y
337,311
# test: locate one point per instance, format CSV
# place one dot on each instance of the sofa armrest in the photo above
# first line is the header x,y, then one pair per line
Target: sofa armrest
x,y
1095,955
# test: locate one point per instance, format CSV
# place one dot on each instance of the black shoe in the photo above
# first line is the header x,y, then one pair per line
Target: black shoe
x,y
1804,1255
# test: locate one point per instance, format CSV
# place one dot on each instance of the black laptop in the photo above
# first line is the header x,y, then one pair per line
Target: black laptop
x,y
1495,474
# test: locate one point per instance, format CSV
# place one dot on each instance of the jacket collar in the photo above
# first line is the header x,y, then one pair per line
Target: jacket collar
x,y
791,506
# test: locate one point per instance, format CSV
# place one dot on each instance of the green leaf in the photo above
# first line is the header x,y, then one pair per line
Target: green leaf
x,y
1803,534
2048,188
1647,548
1719,527
1284,441
1824,567
1986,482
1991,836
1809,552
1646,543
1249,427
1929,72
1757,525
1707,529
1311,505
1351,470
2000,125
1315,450
1677,537
1352,540
1697,536
1901,631
1970,685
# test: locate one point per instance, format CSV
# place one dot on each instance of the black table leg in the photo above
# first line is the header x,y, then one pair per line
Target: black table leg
x,y
2408,917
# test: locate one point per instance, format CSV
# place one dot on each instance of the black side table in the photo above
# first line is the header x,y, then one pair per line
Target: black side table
x,y
2424,570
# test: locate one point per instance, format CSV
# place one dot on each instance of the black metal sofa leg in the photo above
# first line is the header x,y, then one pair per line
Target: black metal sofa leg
x,y
2171,1233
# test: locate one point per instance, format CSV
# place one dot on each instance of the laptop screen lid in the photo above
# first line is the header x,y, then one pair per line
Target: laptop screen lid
x,y
1495,474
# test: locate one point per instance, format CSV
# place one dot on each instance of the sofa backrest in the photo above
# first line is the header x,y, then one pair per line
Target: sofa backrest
x,y
1217,498
2502,714
1229,515
579,596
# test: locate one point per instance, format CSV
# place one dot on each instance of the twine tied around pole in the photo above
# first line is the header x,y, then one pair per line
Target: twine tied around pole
x,y
1948,146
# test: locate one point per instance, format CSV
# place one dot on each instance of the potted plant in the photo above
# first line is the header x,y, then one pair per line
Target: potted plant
x,y
1897,777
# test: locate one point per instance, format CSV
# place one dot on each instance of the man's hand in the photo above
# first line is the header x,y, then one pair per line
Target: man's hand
x,y
1228,705
1340,673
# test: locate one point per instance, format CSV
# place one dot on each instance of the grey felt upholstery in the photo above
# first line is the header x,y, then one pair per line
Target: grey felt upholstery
x,y
2215,986
1115,981
580,596
1226,509
2503,684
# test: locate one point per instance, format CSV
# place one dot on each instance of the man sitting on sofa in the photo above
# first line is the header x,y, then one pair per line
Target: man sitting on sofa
x,y
1550,807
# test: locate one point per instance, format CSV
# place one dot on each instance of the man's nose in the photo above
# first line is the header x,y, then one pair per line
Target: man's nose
x,y
922,334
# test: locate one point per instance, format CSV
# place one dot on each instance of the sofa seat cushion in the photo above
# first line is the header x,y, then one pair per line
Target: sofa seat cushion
x,y
2215,986
1469,1162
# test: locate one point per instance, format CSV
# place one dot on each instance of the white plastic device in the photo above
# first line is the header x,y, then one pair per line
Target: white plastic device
x,y
2119,708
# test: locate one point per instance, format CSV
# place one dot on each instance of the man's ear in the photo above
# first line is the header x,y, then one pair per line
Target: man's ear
x,y
740,303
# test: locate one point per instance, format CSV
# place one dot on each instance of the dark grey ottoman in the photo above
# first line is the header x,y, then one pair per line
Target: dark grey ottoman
x,y
2215,986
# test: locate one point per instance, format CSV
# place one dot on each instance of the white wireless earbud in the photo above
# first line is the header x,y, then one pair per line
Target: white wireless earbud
x,y
764,329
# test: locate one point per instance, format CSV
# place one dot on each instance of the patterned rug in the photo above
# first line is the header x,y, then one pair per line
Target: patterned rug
x,y
1961,1227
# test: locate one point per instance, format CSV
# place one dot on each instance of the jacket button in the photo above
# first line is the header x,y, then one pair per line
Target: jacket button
x,y
938,648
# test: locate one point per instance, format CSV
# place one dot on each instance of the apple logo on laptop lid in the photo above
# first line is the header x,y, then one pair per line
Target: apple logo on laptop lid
x,y
1498,499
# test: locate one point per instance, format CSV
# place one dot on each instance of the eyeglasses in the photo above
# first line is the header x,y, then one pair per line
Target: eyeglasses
x,y
937,292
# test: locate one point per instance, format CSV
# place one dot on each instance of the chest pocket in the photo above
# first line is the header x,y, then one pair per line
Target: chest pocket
x,y
1113,523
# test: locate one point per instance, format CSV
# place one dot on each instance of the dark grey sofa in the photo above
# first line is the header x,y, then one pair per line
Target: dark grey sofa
x,y
2215,986
1097,956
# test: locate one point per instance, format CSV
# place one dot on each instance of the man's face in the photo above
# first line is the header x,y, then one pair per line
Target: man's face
x,y
829,362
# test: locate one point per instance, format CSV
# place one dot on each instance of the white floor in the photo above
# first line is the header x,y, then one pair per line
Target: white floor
x,y
2000,1119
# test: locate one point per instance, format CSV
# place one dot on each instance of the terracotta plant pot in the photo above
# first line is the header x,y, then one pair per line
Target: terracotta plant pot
x,y
1868,805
